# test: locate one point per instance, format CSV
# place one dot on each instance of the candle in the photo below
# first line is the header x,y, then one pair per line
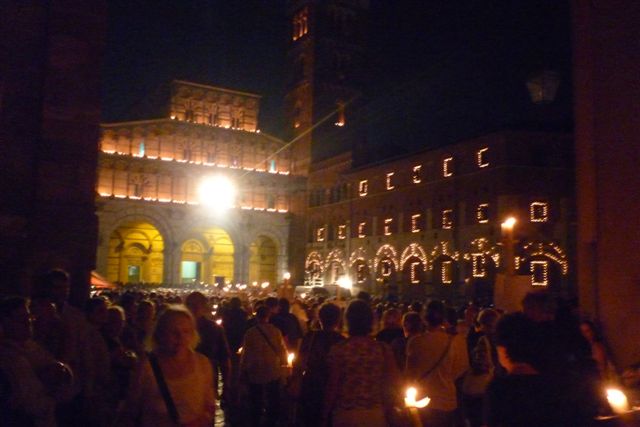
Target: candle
x,y
410,399
290,358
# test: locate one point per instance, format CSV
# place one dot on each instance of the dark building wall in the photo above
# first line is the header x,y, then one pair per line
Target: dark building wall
x,y
607,65
49,115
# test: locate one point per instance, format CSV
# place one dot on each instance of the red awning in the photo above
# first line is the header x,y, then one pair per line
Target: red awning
x,y
97,281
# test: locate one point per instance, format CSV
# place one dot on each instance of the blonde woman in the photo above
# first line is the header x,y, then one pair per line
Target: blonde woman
x,y
174,385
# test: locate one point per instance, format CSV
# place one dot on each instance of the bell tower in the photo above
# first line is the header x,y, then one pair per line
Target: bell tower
x,y
326,62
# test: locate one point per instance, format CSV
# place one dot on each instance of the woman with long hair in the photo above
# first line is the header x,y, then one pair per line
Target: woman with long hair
x,y
174,384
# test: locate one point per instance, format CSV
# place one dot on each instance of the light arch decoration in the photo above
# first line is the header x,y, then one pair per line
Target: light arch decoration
x,y
481,246
336,255
414,250
386,252
314,259
548,250
442,250
359,254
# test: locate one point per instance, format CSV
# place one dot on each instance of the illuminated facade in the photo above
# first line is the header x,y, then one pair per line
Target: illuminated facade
x,y
429,223
160,223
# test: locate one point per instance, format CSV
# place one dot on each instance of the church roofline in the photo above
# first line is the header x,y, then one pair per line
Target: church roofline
x,y
222,89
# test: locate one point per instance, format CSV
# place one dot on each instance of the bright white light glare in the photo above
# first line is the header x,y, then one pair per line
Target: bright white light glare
x,y
217,191
264,285
618,400
287,276
290,358
509,223
344,282
410,399
219,322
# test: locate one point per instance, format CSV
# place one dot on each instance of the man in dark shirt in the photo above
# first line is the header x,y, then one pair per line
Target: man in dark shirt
x,y
213,343
288,324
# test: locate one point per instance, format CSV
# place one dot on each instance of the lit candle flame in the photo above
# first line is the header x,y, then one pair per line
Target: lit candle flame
x,y
239,351
219,321
410,399
618,400
290,358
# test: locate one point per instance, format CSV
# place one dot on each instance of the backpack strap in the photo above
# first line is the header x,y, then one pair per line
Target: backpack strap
x,y
164,389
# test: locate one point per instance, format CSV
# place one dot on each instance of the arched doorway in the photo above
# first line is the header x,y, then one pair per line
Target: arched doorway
x,y
263,260
219,268
135,254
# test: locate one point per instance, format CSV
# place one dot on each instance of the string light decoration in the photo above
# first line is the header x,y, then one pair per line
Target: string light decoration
x,y
482,213
336,256
179,201
386,267
195,162
442,249
478,263
314,258
361,273
548,250
386,252
414,250
415,275
481,156
416,177
539,273
363,188
447,219
390,185
446,272
415,223
320,234
300,24
539,212
387,226
447,167
359,254
342,232
362,230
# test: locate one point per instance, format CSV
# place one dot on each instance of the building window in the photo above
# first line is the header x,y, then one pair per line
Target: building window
x,y
320,234
234,161
342,232
539,212
415,223
447,218
482,157
479,266
362,230
447,167
386,268
272,166
415,272
363,188
300,24
211,157
186,154
271,201
141,149
483,213
539,273
361,273
447,272
416,177
390,185
388,223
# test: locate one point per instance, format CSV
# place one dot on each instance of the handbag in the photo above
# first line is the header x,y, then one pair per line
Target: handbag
x,y
164,389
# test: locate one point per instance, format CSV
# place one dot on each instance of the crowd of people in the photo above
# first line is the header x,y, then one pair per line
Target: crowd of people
x,y
165,358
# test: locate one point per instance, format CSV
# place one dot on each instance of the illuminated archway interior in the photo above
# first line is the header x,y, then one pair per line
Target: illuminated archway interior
x,y
263,261
209,260
135,254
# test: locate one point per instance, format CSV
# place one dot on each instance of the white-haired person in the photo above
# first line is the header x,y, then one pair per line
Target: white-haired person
x,y
174,384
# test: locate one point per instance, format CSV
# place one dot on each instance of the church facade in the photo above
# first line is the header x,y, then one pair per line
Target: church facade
x,y
199,195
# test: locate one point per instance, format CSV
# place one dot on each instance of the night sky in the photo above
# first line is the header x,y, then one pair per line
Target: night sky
x,y
439,71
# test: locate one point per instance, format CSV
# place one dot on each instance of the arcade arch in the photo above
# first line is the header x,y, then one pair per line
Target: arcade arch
x,y
136,253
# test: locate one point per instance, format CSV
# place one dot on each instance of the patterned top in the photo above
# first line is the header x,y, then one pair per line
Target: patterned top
x,y
360,364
